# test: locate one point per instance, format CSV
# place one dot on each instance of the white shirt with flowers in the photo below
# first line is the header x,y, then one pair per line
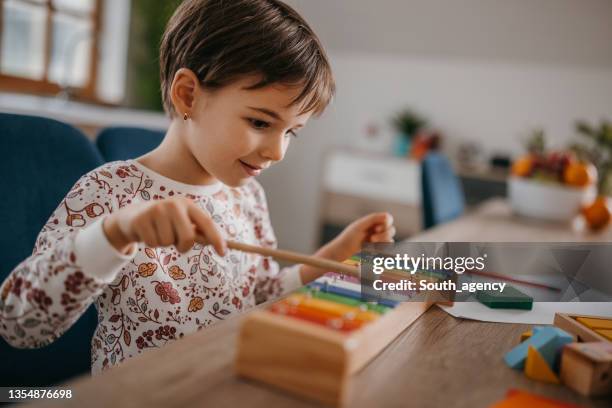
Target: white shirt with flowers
x,y
152,296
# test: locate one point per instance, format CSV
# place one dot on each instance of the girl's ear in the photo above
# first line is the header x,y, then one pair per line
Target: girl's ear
x,y
183,91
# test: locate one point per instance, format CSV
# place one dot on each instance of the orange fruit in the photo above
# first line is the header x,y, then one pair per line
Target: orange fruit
x,y
522,167
597,214
580,174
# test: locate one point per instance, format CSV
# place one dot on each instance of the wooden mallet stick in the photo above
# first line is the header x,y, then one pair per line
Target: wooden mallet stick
x,y
296,257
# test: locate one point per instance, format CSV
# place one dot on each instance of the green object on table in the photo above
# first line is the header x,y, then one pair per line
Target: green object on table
x,y
509,298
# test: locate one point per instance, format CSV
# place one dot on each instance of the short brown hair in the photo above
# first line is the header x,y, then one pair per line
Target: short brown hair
x,y
223,40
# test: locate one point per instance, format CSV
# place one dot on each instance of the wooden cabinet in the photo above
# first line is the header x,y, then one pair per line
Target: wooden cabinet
x,y
356,184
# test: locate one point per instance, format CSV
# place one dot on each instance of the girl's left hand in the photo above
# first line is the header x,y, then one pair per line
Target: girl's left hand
x,y
376,227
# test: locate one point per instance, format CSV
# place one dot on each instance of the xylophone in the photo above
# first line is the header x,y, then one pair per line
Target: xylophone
x,y
311,342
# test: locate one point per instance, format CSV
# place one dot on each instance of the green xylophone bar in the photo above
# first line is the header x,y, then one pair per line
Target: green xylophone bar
x,y
344,300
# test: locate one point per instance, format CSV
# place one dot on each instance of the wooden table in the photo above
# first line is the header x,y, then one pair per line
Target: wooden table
x,y
439,361
493,221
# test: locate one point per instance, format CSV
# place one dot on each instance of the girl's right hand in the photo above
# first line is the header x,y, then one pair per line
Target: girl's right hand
x,y
161,223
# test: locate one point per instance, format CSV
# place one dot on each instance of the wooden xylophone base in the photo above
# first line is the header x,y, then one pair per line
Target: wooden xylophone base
x,y
313,361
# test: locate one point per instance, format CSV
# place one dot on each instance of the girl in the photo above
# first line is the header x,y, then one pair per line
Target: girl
x,y
239,79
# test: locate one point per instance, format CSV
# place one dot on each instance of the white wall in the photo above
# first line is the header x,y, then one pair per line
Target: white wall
x,y
468,93
568,32
492,103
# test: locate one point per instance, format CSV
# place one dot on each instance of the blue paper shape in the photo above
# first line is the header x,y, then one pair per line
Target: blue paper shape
x,y
547,340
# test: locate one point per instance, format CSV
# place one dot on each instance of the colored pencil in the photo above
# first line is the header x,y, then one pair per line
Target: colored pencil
x,y
510,279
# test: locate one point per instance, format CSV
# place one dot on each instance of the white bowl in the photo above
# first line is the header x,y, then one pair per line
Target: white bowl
x,y
548,201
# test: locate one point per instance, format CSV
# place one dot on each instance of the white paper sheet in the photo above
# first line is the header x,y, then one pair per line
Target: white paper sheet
x,y
542,312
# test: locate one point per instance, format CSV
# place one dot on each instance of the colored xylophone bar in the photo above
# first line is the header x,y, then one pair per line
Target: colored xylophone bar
x,y
332,305
312,342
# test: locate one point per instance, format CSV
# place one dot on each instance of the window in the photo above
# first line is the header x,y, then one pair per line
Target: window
x,y
50,46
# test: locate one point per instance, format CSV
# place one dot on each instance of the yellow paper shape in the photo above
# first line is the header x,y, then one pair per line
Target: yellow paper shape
x,y
537,368
606,333
594,323
526,335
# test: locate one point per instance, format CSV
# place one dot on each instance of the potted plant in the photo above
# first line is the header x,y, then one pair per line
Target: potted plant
x,y
407,123
596,147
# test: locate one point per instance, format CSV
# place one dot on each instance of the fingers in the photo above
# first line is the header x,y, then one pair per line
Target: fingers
x,y
381,221
206,227
184,230
163,227
174,222
381,227
145,231
387,220
384,236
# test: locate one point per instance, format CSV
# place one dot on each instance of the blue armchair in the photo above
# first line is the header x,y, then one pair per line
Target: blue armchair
x,y
122,143
42,159
443,198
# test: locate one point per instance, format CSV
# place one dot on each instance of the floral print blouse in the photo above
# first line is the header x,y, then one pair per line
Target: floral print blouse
x,y
151,296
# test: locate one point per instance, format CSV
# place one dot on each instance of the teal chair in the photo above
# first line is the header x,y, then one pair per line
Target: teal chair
x,y
42,159
123,143
442,197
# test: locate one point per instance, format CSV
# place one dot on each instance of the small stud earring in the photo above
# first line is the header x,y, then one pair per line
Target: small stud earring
x,y
185,116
